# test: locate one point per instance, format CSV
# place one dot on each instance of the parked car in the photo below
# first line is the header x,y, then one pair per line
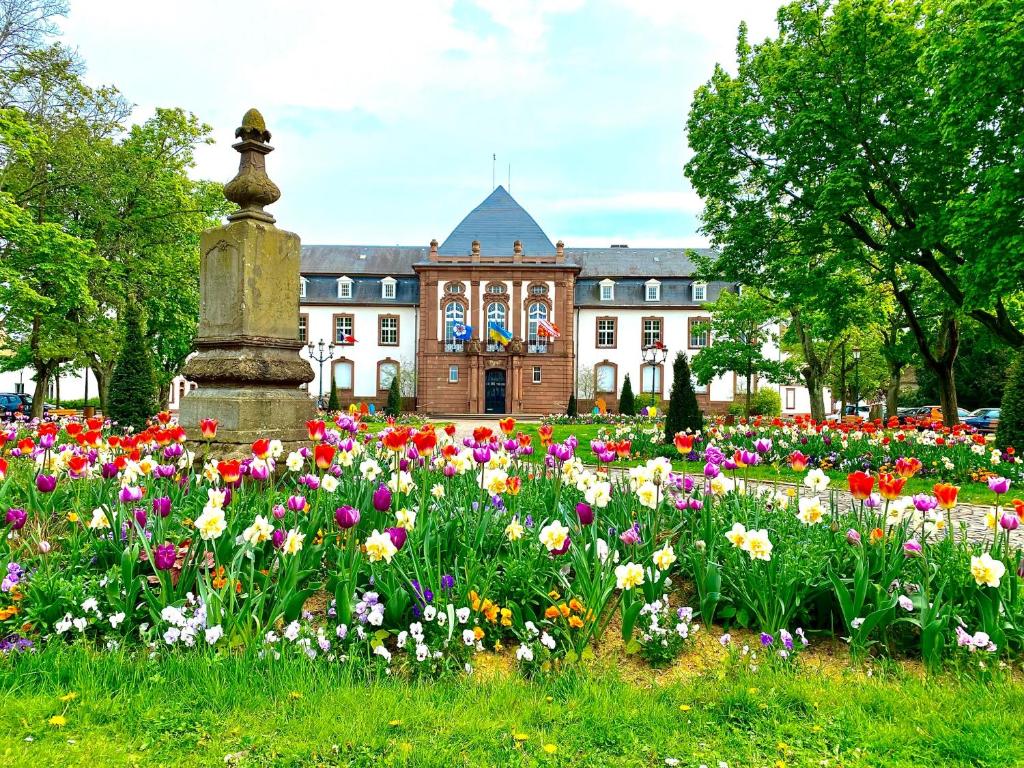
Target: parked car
x,y
983,419
11,403
927,414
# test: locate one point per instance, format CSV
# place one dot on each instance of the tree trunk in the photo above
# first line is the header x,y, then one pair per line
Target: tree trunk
x,y
842,381
749,376
892,392
43,371
940,359
102,372
56,387
814,371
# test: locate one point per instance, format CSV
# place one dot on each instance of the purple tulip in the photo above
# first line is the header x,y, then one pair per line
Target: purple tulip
x,y
924,503
1009,521
277,538
729,464
874,501
346,517
296,503
998,485
1020,567
711,470
912,548
749,458
140,516
449,470
585,513
382,498
279,511
16,517
853,537
631,536
260,471
164,556
766,639
162,506
762,445
481,455
398,536
130,494
46,483
109,471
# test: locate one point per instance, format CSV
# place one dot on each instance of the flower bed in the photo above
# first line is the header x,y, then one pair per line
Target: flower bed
x,y
407,552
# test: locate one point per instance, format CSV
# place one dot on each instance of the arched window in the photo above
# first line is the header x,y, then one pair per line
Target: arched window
x,y
538,289
536,313
387,370
496,313
454,314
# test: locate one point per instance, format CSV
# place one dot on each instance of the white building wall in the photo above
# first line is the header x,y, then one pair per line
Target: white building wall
x,y
366,352
72,385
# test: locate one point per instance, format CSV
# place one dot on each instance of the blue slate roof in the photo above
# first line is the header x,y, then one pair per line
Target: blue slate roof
x,y
497,223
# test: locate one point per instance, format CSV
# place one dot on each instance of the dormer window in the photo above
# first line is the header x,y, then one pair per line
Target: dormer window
x,y
387,288
607,290
700,292
302,287
344,287
652,290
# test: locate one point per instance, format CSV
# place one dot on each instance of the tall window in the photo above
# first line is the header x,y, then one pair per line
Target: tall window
x,y
698,332
453,374
652,331
344,288
387,288
535,314
651,379
604,378
536,374
387,330
454,314
303,328
496,313
343,328
386,373
302,287
343,375
606,332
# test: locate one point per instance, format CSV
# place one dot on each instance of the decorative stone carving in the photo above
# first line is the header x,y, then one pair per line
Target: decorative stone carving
x,y
515,347
473,347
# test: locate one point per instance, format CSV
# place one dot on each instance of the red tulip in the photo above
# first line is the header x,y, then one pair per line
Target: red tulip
x,y
684,443
323,455
316,430
861,484
945,494
507,425
208,428
890,486
229,471
261,448
797,461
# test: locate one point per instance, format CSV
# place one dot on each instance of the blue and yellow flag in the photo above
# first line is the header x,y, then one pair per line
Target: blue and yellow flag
x,y
499,333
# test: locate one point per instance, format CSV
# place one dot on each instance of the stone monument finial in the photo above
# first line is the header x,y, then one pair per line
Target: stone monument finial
x,y
251,189
475,245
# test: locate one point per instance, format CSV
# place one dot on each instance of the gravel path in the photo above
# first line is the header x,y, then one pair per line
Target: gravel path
x,y
971,516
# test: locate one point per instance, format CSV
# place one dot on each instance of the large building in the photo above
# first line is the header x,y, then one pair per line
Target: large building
x,y
423,313
406,308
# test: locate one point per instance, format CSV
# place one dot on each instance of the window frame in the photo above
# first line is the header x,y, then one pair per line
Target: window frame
x,y
380,330
303,282
643,331
303,330
386,284
703,288
334,325
334,376
345,287
615,378
538,375
690,324
656,285
606,284
398,373
614,331
453,374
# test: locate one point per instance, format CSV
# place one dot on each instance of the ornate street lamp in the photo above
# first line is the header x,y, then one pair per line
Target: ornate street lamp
x,y
321,353
654,355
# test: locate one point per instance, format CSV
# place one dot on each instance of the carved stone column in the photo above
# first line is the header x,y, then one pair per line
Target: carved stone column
x,y
247,362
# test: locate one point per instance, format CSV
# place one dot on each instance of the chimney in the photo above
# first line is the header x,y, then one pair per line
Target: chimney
x,y
433,249
559,251
476,251
517,248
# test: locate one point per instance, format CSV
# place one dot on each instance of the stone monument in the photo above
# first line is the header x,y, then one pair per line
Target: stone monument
x,y
247,364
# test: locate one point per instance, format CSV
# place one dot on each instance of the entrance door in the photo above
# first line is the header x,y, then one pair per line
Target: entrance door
x,y
494,391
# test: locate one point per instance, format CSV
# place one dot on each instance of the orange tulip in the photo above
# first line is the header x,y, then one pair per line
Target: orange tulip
x,y
229,471
907,467
507,425
482,434
323,455
876,535
545,431
1018,507
797,461
514,484
890,486
396,438
684,443
425,439
208,428
861,484
945,494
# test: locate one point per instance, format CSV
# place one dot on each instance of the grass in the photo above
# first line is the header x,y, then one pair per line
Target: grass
x,y
194,710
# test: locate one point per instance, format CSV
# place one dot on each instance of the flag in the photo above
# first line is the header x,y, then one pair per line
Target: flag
x,y
462,332
348,339
547,328
499,333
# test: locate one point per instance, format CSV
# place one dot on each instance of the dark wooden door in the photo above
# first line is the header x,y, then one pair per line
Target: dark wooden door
x,y
494,391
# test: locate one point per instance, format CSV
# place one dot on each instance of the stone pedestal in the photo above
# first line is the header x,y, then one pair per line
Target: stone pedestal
x,y
247,364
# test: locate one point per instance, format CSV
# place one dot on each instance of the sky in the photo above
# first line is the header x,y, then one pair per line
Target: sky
x,y
386,115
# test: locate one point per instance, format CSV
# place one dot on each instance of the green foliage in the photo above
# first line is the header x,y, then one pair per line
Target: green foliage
x,y
332,400
132,399
740,327
627,401
1011,414
981,369
683,415
394,406
571,409
765,402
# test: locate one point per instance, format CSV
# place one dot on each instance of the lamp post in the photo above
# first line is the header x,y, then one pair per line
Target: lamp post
x,y
321,353
654,355
856,380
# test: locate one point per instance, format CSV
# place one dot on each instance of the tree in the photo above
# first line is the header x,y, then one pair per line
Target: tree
x,y
585,383
683,413
627,403
837,135
332,400
571,409
133,390
1010,431
740,335
980,370
394,406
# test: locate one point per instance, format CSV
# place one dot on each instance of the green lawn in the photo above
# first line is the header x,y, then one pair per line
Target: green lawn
x,y
196,710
